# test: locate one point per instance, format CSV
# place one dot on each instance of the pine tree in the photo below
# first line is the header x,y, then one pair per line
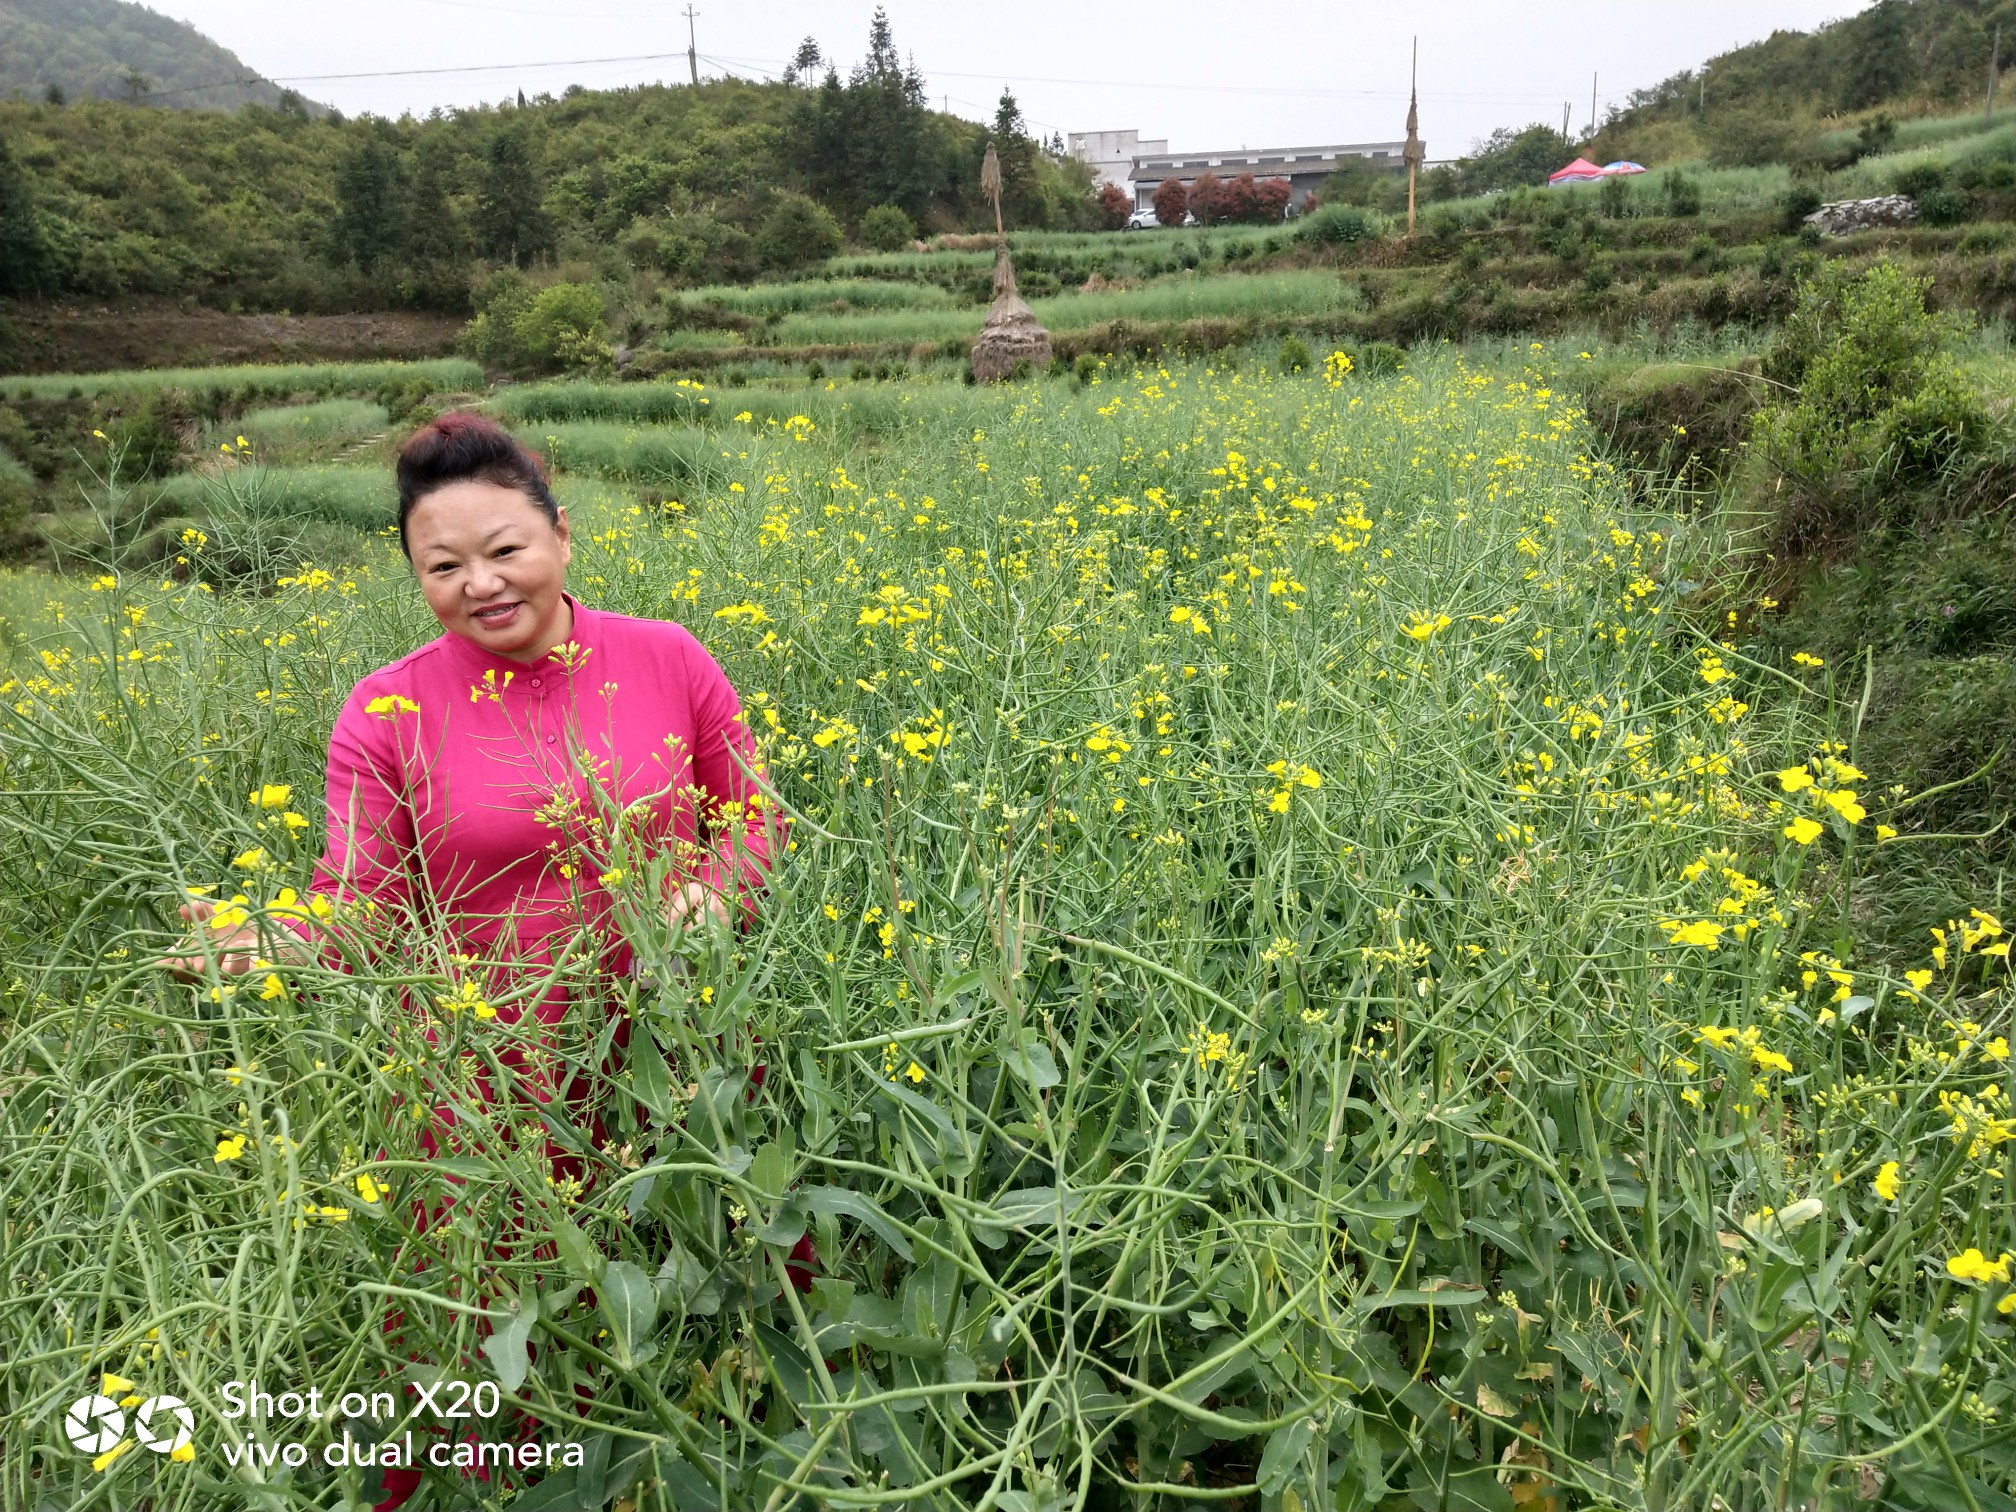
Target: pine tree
x,y
804,64
1017,151
881,62
370,225
24,259
511,222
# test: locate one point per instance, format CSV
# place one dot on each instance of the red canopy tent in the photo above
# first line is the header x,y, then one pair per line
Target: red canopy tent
x,y
1581,171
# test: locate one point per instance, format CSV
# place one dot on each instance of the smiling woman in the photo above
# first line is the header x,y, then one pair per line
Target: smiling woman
x,y
502,800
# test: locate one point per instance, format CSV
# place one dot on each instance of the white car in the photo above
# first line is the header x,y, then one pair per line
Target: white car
x,y
1142,220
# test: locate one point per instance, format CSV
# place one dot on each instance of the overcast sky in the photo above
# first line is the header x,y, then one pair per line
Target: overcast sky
x,y
1252,74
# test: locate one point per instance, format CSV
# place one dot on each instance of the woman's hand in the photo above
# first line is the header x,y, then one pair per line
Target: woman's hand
x,y
694,902
236,950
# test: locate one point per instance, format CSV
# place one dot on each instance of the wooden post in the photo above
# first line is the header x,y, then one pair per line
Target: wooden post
x,y
1994,75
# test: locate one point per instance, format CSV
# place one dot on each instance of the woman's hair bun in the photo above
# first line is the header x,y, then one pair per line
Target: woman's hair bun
x,y
464,446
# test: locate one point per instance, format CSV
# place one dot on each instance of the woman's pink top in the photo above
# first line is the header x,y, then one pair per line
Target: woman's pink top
x,y
472,800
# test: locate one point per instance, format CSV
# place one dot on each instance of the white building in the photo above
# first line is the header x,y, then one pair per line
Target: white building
x,y
1112,154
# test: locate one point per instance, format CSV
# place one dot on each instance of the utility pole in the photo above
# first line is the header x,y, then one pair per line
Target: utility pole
x,y
1592,105
1994,74
1566,107
1701,105
692,47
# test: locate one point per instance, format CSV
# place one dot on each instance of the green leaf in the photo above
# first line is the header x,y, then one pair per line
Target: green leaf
x,y
1030,1058
770,1171
838,1200
630,1303
1283,1456
650,1080
506,1345
582,1258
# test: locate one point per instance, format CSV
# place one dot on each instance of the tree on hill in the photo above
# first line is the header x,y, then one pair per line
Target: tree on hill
x,y
1508,159
511,224
23,256
275,209
871,141
1021,200
93,49
371,207
1908,54
805,63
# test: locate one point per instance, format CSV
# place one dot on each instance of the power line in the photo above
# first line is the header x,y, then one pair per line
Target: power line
x,y
550,63
1239,89
413,73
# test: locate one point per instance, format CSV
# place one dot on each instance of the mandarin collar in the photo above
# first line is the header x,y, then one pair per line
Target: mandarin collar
x,y
473,658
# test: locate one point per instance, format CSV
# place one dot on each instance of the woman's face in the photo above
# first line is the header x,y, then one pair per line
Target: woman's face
x,y
492,566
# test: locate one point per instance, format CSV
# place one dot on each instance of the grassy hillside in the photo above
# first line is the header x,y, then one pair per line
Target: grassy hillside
x,y
268,210
114,50
1772,100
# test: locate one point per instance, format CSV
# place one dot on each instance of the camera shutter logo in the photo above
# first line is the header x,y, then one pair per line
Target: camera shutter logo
x,y
96,1425
164,1424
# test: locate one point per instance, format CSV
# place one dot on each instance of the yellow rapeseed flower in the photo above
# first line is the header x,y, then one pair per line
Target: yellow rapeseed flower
x,y
368,1190
1803,831
1702,932
1886,1181
229,1147
1769,1060
271,795
1971,1265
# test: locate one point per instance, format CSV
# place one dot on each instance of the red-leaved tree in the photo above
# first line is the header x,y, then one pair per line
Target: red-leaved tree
x,y
1239,199
1207,196
1114,206
1271,198
1172,202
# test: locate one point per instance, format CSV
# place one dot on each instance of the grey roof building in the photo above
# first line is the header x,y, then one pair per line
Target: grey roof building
x,y
1304,167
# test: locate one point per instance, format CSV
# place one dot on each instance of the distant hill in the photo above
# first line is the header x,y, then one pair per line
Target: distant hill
x,y
1753,104
110,50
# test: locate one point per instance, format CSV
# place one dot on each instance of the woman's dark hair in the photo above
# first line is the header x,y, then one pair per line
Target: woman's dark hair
x,y
460,447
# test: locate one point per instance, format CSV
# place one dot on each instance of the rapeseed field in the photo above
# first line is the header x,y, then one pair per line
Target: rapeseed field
x,y
1315,969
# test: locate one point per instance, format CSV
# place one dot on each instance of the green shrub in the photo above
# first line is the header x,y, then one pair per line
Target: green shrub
x,y
1683,196
1945,206
521,330
1378,359
151,436
492,337
887,229
562,328
1988,238
1880,402
1798,202
796,232
1337,226
1919,179
1294,355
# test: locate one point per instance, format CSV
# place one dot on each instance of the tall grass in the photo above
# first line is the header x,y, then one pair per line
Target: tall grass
x,y
252,380
1270,296
1292,988
817,294
319,424
12,470
853,409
